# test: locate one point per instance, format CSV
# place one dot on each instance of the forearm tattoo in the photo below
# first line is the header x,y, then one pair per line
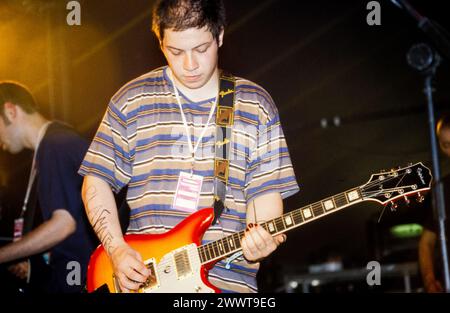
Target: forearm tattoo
x,y
98,216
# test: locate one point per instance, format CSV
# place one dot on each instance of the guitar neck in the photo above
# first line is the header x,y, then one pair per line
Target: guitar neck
x,y
221,248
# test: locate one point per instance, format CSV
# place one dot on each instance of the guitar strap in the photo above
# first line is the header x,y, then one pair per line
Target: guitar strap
x,y
32,214
39,270
224,124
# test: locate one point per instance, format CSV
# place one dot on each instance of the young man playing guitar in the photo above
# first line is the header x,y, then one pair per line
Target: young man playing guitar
x,y
159,137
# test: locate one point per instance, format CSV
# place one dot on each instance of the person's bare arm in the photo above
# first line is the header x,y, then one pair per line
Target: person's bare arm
x,y
257,242
47,235
101,210
427,245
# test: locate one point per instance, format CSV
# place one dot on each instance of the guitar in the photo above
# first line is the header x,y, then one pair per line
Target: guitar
x,y
179,263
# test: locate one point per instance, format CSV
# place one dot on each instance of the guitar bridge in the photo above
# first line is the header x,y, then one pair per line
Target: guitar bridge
x,y
152,280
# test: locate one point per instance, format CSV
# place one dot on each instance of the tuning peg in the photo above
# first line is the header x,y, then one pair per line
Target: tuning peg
x,y
393,206
407,201
420,198
394,172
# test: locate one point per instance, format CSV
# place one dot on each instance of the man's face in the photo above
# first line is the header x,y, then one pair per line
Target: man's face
x,y
191,55
444,140
10,135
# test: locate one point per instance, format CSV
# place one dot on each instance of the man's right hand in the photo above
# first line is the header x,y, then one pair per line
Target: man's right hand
x,y
129,268
20,270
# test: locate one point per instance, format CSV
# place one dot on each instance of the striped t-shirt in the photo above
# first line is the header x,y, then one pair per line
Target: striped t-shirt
x,y
142,142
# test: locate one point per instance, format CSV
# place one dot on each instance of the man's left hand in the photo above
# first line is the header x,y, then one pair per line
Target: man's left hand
x,y
258,243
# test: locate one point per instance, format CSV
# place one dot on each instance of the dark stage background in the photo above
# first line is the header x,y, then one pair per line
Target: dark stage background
x,y
319,60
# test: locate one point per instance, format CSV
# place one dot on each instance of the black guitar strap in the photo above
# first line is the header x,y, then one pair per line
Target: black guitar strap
x,y
224,124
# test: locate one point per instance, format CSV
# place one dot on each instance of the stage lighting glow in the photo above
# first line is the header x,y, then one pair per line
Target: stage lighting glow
x,y
406,230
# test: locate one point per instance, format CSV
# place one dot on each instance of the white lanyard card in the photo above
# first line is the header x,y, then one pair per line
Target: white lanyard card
x,y
188,192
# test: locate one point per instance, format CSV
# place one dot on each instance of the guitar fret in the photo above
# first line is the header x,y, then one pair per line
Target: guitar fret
x,y
237,240
307,213
279,224
328,204
202,254
211,251
219,243
353,195
312,210
271,228
216,249
208,256
225,244
318,208
297,216
208,253
231,241
340,200
199,250
282,221
332,199
288,220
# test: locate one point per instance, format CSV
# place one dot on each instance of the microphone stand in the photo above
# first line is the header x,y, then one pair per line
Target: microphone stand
x,y
442,44
439,188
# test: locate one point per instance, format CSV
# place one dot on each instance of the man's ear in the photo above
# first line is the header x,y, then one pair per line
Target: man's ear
x,y
221,38
10,111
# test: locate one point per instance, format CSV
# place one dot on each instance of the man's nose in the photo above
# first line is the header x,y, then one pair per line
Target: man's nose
x,y
190,62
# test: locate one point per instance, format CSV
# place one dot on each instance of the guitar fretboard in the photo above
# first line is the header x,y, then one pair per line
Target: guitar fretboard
x,y
218,249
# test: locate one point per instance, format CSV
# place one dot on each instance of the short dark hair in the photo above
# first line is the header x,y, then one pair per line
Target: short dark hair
x,y
183,14
17,94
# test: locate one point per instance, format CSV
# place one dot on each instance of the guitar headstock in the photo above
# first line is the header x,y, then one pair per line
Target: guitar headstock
x,y
389,186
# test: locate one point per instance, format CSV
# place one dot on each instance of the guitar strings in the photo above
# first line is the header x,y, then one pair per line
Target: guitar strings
x,y
212,250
